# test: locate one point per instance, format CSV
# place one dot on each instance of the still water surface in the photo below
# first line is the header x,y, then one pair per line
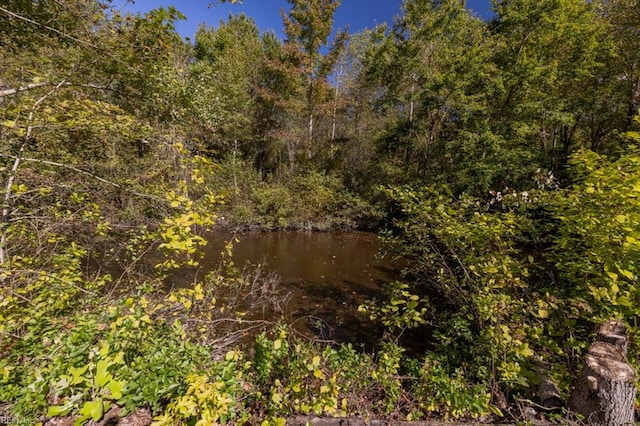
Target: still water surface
x,y
350,259
326,275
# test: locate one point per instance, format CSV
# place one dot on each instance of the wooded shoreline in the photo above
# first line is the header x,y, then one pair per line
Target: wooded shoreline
x,y
499,159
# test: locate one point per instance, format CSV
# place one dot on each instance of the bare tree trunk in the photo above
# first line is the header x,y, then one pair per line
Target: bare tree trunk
x,y
605,391
310,140
335,110
292,152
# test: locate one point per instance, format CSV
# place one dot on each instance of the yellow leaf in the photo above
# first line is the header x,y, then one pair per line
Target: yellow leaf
x,y
199,294
627,274
525,350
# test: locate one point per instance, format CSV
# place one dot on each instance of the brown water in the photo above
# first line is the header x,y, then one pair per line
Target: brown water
x,y
326,275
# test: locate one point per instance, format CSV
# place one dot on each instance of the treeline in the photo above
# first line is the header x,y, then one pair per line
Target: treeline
x,y
498,158
438,97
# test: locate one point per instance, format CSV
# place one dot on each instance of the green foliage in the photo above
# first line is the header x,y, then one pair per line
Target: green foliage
x,y
464,260
596,246
93,379
310,200
109,127
472,260
226,62
401,309
341,381
294,378
213,398
94,359
435,389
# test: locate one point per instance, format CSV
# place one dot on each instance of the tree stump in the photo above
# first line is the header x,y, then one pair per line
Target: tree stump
x,y
605,391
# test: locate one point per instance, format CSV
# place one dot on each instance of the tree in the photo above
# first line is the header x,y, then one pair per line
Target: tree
x,y
277,108
550,56
73,151
221,81
436,76
355,120
308,26
622,19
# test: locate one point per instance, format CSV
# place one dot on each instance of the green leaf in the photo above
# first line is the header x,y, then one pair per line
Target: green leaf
x,y
495,410
92,409
59,410
102,375
104,349
119,358
77,374
626,273
115,389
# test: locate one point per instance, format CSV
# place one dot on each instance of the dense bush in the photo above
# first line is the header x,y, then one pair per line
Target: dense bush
x,y
523,278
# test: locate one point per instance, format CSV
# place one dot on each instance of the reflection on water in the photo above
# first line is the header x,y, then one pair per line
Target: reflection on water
x,y
308,256
327,275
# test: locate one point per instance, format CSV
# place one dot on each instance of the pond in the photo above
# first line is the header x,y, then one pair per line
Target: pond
x,y
326,275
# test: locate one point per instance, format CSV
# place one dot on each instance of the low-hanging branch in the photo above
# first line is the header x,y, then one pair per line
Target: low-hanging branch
x,y
93,175
9,92
14,171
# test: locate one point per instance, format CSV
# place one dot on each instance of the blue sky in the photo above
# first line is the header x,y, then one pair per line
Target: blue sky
x,y
358,14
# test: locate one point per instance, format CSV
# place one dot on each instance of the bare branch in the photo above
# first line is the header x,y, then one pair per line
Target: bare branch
x,y
31,21
8,92
14,170
84,172
61,280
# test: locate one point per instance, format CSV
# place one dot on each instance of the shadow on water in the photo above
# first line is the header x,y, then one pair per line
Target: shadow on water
x,y
330,311
325,275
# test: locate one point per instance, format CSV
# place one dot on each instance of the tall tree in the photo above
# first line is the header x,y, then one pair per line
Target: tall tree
x,y
355,118
221,81
623,19
550,52
436,76
308,26
277,100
